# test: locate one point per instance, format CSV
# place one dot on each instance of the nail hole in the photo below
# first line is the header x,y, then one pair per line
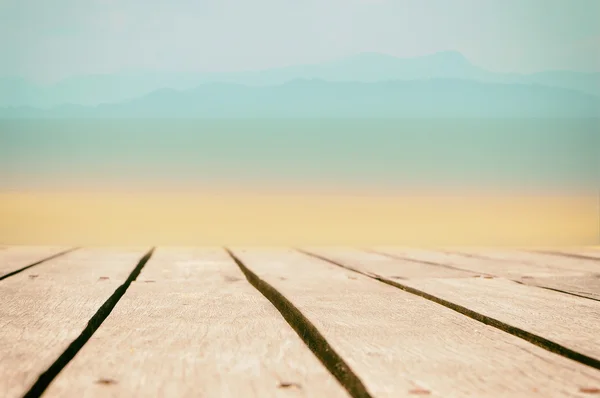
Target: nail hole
x,y
288,385
106,382
103,278
148,281
590,390
419,391
33,276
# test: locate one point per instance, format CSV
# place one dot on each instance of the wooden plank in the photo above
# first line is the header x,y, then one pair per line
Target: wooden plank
x,y
401,344
193,326
567,320
587,286
389,266
43,309
586,254
584,284
537,259
13,258
488,262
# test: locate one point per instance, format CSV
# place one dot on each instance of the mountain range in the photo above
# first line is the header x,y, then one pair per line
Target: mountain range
x,y
444,84
443,98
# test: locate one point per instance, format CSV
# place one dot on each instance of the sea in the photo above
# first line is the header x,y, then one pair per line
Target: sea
x,y
368,154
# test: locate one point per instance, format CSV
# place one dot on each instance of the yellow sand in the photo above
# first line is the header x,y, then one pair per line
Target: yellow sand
x,y
271,219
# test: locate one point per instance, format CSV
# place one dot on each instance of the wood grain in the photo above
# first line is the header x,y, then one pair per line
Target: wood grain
x,y
571,281
538,259
587,285
586,254
481,262
403,345
43,309
567,320
13,258
192,326
389,265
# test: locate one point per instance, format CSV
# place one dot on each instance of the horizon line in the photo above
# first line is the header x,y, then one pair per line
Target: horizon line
x,y
125,71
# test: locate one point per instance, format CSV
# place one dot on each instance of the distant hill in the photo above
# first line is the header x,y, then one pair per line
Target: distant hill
x,y
319,98
368,67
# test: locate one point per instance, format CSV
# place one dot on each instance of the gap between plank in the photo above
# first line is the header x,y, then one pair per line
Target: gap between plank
x,y
569,255
396,257
37,263
482,257
558,290
517,332
94,323
309,334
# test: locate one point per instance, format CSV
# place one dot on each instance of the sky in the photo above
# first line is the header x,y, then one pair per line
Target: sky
x,y
46,41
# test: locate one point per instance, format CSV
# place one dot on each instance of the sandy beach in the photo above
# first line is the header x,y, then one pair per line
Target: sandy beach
x,y
271,218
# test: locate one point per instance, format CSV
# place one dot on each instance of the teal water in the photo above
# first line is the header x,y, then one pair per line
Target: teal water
x,y
394,153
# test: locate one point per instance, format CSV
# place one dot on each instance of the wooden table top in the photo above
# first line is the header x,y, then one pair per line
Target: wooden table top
x,y
290,322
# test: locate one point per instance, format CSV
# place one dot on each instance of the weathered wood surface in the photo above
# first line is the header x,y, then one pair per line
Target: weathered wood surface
x,y
14,258
192,326
587,285
482,262
400,344
43,309
537,259
390,265
571,321
567,280
585,253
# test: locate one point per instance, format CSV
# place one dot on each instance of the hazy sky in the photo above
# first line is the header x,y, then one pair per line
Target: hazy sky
x,y
53,39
